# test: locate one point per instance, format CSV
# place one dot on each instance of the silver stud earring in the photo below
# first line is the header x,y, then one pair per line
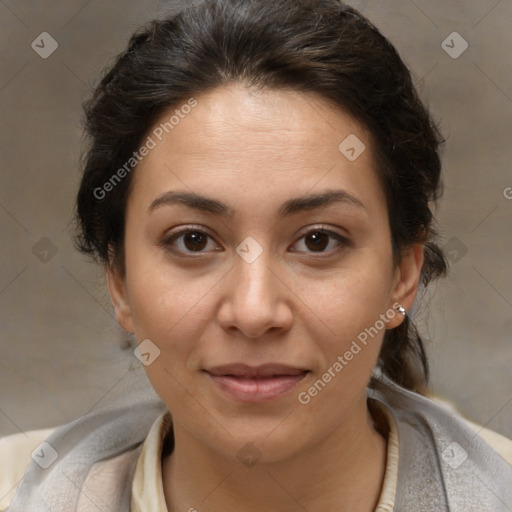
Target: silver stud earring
x,y
401,310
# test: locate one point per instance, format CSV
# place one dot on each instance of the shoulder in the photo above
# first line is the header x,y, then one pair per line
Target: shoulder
x,y
15,454
444,458
499,443
439,414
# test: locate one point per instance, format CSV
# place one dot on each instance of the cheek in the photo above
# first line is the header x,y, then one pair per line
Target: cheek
x,y
167,305
171,310
348,308
351,298
350,313
170,306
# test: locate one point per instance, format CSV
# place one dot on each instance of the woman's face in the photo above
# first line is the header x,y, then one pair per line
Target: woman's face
x,y
252,238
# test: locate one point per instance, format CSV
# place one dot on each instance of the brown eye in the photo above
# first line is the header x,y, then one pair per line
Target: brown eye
x,y
321,241
317,241
195,240
188,241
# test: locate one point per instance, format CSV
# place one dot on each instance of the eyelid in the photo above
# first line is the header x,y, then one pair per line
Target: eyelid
x,y
324,228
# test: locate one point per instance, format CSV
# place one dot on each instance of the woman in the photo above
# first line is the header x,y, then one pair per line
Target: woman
x,y
259,187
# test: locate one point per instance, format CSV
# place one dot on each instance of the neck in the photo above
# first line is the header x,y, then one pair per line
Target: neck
x,y
343,472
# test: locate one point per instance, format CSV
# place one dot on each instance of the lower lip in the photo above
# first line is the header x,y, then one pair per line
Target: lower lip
x,y
257,390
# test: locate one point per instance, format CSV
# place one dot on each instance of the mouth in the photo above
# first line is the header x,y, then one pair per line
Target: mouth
x,y
256,384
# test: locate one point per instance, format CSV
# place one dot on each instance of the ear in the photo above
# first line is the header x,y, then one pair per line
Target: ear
x,y
116,284
406,282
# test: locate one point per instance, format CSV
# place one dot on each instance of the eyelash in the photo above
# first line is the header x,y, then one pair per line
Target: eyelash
x,y
169,240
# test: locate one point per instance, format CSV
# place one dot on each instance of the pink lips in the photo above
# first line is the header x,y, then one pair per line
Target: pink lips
x,y
256,384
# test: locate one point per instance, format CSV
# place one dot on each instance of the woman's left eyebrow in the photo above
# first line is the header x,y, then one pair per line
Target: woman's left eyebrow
x,y
290,207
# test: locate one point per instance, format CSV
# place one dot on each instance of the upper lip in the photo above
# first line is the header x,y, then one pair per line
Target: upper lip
x,y
264,370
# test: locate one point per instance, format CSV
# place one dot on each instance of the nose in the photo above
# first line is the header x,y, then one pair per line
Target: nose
x,y
256,299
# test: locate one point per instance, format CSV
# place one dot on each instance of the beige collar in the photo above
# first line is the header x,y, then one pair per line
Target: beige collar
x,y
147,489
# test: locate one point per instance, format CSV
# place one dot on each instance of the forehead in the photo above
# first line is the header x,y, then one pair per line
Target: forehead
x,y
259,143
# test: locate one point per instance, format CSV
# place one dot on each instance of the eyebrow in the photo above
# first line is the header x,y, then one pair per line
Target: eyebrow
x,y
290,207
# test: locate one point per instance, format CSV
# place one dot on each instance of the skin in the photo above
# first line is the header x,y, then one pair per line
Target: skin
x,y
254,150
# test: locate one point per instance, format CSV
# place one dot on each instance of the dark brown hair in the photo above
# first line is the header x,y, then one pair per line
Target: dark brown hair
x,y
318,46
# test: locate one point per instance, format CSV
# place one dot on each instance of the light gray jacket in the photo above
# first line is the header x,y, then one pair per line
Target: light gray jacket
x,y
443,465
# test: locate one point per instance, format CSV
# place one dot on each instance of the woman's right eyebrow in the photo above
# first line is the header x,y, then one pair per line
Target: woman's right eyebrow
x,y
290,207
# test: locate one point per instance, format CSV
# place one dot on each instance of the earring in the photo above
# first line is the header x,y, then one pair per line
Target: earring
x,y
401,310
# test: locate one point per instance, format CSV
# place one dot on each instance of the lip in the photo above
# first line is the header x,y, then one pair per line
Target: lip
x,y
256,384
261,371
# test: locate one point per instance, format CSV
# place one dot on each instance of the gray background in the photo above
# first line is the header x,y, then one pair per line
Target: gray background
x,y
62,352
